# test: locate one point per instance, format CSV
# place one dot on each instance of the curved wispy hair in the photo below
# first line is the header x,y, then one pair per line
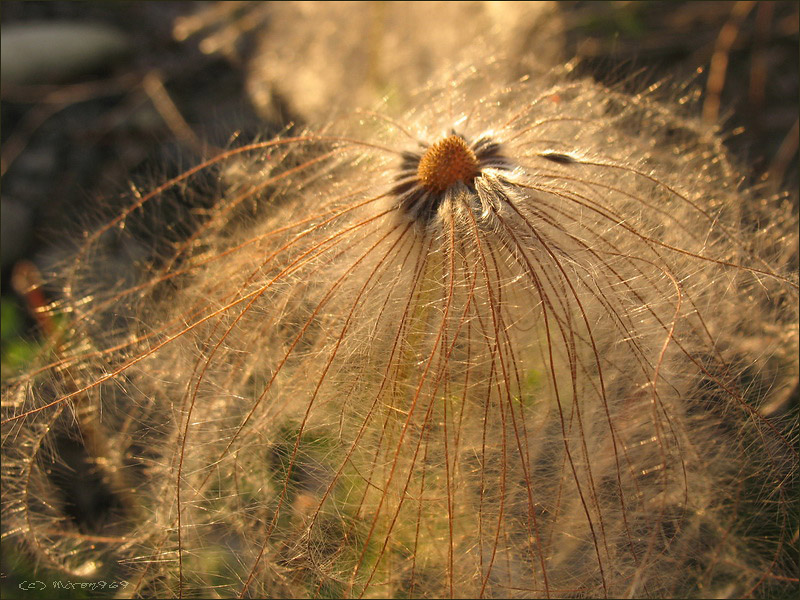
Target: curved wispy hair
x,y
543,375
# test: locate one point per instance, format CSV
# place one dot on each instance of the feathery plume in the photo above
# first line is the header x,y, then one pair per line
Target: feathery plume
x,y
517,343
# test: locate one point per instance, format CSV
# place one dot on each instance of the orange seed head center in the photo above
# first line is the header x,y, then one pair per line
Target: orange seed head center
x,y
446,162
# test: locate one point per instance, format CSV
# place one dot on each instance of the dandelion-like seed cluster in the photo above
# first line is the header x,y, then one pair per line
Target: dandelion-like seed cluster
x,y
516,343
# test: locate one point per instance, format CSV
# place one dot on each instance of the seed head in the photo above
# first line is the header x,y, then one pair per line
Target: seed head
x,y
447,162
536,386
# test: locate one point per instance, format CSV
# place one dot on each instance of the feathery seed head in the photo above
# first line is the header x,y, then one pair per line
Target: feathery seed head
x,y
541,394
423,179
447,162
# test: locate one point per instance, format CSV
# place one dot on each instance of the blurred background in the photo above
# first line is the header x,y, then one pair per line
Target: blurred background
x,y
98,97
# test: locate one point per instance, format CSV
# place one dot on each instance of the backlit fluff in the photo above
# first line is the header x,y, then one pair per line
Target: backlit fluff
x,y
519,374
